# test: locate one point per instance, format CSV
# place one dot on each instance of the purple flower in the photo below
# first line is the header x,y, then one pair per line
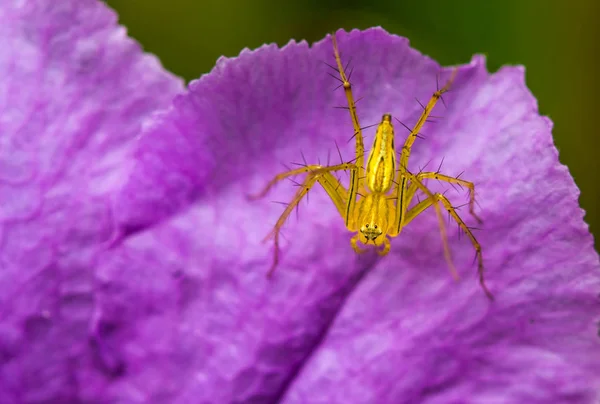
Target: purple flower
x,y
131,268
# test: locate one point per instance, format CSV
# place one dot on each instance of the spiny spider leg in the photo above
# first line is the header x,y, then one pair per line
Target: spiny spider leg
x,y
423,205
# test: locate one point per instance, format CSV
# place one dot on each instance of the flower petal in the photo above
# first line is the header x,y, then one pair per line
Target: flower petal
x,y
232,336
410,334
74,91
182,310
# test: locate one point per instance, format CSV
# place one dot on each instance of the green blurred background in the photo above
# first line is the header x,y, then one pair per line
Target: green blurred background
x,y
554,39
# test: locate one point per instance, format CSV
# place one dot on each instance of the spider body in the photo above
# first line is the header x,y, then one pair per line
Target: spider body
x,y
374,209
375,205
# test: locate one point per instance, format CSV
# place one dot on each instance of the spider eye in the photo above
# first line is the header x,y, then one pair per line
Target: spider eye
x,y
367,226
375,226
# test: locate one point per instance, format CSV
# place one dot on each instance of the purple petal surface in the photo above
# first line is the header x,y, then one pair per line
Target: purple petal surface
x,y
135,272
74,91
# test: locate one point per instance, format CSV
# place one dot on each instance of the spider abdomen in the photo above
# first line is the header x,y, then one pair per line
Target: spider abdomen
x,y
381,166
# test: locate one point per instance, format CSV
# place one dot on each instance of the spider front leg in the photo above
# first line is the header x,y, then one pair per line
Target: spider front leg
x,y
334,189
410,140
403,176
423,205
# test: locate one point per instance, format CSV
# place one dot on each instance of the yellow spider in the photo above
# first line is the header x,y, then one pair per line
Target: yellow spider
x,y
386,188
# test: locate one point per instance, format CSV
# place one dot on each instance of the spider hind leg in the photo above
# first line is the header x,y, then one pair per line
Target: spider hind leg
x,y
423,205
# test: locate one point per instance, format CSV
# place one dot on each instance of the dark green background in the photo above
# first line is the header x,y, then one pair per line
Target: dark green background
x,y
554,39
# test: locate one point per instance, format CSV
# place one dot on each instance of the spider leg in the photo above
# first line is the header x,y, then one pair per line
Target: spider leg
x,y
454,180
287,174
357,175
423,205
405,195
335,190
404,155
402,176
